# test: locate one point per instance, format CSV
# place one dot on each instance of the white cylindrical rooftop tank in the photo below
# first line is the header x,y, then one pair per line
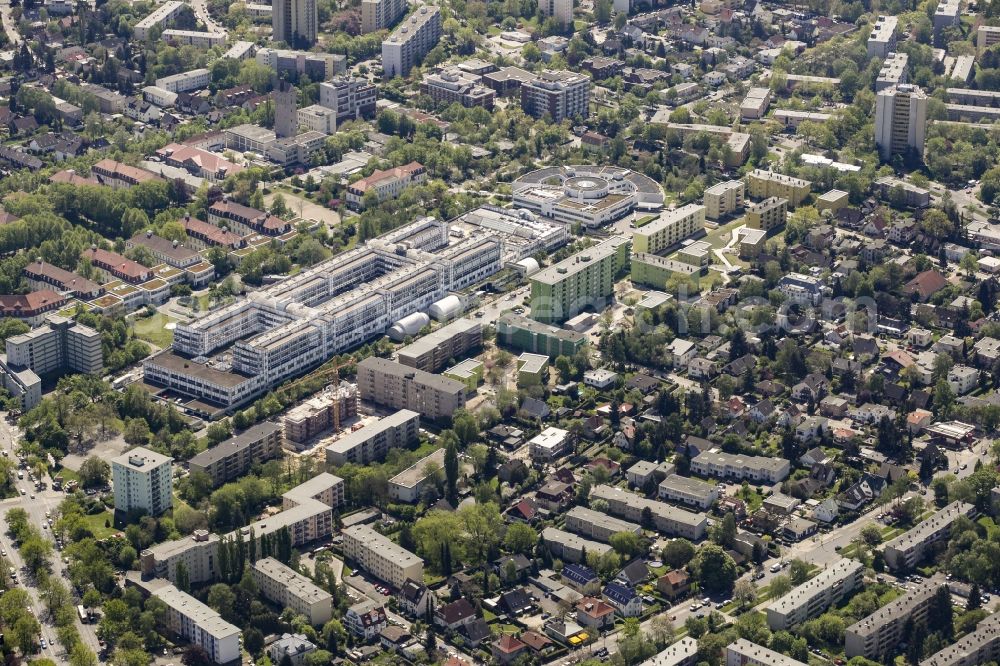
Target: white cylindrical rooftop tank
x,y
408,325
447,308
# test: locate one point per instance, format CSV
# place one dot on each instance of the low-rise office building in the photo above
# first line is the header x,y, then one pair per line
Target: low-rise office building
x,y
408,485
43,275
387,184
907,550
290,589
381,557
815,595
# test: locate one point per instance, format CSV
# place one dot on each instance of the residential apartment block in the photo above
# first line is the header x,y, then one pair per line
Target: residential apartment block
x,y
433,351
294,21
558,95
893,71
560,10
387,184
732,466
290,589
381,14
407,45
372,442
669,229
668,519
330,409
196,555
986,36
882,39
196,38
158,18
770,213
764,184
194,79
571,547
815,595
596,525
528,335
381,557
583,280
455,86
879,634
59,344
394,385
143,480
245,220
907,550
979,647
724,199
200,625
233,458
745,653
900,120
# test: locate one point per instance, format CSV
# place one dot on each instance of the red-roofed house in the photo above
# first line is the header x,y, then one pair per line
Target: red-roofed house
x,y
508,648
925,284
202,235
201,163
114,265
594,613
30,308
119,176
385,184
245,220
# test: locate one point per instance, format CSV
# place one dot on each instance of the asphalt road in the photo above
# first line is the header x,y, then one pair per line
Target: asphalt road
x,y
9,26
37,504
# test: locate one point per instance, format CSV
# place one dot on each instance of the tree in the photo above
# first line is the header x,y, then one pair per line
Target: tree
x,y
798,572
625,544
219,432
94,472
714,569
975,601
677,553
195,655
940,613
745,592
779,587
520,538
451,471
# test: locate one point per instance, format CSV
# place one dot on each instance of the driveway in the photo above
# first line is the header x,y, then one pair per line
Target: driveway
x,y
307,209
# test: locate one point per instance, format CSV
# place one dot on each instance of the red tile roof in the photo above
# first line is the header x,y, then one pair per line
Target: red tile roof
x,y
26,305
117,264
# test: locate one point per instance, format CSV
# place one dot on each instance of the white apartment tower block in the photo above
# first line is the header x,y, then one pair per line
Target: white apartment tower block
x,y
142,480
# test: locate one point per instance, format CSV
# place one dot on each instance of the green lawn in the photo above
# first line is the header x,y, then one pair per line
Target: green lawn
x,y
154,329
97,521
645,220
